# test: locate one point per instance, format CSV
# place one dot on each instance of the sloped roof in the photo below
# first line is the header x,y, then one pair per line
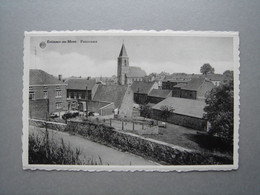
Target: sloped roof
x,y
162,93
134,71
111,93
215,77
194,84
123,51
188,107
80,84
94,106
182,76
180,85
142,86
40,77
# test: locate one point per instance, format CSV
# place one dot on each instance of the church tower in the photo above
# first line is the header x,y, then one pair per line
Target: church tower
x,y
122,66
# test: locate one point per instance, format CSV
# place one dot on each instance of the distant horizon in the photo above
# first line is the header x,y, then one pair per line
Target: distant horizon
x,y
96,56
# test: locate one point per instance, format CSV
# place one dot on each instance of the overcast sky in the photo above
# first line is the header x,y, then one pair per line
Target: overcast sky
x,y
151,53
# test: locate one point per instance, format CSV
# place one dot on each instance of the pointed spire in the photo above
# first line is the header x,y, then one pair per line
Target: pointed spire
x,y
123,51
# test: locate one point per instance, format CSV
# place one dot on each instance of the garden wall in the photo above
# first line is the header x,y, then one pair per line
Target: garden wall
x,y
148,148
155,150
50,125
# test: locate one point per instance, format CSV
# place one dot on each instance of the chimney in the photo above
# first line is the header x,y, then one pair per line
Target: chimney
x,y
60,77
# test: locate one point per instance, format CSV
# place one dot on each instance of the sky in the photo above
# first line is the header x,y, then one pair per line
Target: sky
x,y
96,56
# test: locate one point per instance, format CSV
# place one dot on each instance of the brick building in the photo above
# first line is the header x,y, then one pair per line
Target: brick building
x,y
194,89
141,90
78,91
158,95
45,89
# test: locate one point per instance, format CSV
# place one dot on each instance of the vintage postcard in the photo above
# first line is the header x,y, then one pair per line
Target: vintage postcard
x,y
131,100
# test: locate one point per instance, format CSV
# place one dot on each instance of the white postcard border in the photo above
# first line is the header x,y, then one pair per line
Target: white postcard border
x,y
109,168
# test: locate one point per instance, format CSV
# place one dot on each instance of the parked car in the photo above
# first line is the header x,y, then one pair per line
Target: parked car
x,y
93,114
53,115
162,124
67,116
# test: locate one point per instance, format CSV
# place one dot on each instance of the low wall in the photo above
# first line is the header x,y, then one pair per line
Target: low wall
x,y
182,120
152,149
50,125
159,151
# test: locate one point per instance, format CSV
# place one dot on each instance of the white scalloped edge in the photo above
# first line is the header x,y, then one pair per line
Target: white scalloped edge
x,y
147,168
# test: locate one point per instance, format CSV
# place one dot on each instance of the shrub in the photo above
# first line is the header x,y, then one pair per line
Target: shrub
x,y
43,151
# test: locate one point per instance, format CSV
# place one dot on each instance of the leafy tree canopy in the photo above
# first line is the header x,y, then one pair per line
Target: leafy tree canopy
x,y
219,111
166,111
207,69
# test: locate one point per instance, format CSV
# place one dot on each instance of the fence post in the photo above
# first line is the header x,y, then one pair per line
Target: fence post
x,y
122,125
142,126
133,126
110,122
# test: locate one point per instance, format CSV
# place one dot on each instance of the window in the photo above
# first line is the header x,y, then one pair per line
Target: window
x,y
32,95
45,94
58,93
58,105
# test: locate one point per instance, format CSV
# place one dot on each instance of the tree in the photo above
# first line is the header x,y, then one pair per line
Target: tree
x,y
207,68
146,111
166,111
228,74
219,111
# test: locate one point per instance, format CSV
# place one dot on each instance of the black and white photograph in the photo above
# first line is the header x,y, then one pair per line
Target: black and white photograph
x,y
131,100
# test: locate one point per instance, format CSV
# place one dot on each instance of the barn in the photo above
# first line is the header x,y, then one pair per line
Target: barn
x,y
187,112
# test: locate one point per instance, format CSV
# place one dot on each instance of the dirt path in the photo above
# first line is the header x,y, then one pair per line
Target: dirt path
x,y
109,156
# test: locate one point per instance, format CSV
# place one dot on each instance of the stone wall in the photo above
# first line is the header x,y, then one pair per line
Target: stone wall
x,y
148,148
50,125
152,149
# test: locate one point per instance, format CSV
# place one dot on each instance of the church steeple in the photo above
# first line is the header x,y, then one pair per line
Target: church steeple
x,y
123,51
122,66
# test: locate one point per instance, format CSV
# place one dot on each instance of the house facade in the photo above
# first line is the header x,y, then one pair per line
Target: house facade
x,y
46,89
78,91
141,90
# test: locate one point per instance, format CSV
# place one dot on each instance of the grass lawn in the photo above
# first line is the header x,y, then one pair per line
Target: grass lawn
x,y
189,138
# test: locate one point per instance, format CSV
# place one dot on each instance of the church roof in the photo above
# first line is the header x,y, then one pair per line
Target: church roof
x,y
123,51
134,72
40,77
80,84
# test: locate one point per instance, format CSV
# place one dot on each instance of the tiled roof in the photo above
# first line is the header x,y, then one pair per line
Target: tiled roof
x,y
40,77
182,76
123,51
215,77
134,71
111,93
142,86
180,85
183,106
194,84
162,93
80,84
